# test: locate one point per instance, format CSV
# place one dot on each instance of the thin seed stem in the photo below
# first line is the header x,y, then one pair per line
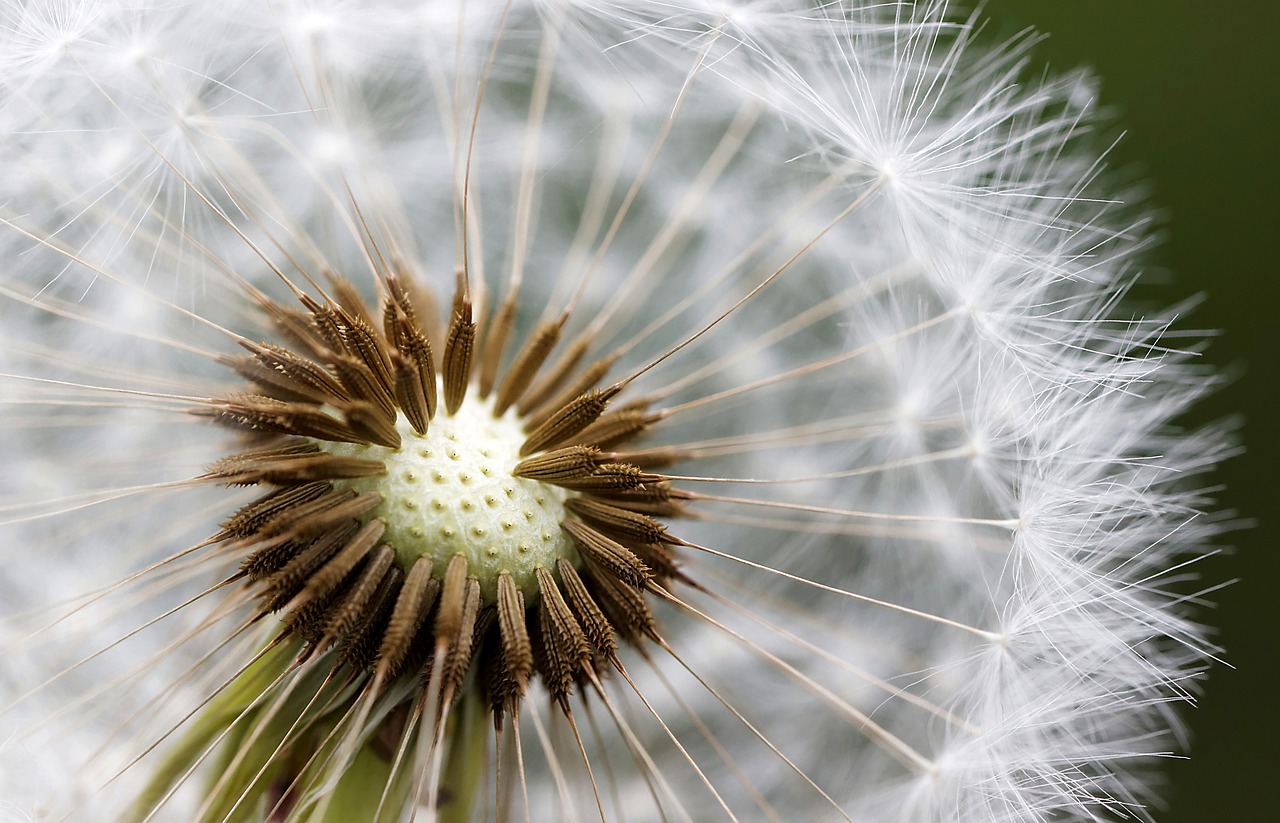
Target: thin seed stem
x,y
904,753
848,210
1010,524
642,174
985,635
811,368
890,465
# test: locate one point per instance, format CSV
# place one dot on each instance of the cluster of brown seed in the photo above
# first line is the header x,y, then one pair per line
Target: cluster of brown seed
x,y
318,556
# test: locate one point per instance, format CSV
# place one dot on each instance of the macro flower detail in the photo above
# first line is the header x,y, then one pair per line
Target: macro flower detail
x,y
571,410
408,530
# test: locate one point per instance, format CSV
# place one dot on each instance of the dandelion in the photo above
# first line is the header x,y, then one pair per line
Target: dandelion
x,y
565,410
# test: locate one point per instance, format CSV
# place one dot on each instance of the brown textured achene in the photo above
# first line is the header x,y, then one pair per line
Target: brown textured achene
x,y
316,552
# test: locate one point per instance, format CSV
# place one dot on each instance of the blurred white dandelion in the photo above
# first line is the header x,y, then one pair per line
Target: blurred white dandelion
x,y
878,451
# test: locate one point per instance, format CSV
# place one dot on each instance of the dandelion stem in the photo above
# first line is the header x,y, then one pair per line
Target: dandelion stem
x,y
466,759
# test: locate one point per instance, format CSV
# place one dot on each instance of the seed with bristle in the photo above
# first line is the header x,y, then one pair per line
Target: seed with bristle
x,y
551,391
251,518
562,464
596,626
563,642
414,600
611,477
457,357
526,366
569,420
280,370
608,554
622,524
516,652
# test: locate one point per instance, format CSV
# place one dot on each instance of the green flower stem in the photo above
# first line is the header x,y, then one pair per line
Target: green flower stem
x,y
468,758
261,743
231,705
358,792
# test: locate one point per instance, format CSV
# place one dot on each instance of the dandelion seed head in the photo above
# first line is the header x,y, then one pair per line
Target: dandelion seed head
x,y
883,518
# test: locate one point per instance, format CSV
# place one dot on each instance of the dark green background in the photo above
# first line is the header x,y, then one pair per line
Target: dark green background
x,y
1196,87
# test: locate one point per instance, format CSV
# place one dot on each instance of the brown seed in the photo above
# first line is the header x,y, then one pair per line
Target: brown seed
x,y
286,583
268,560
250,518
656,499
411,341
278,369
607,554
624,605
411,395
354,604
617,522
362,385
543,391
562,464
495,341
266,414
297,326
348,297
610,477
563,642
660,559
458,657
658,457
517,655
504,691
359,340
617,427
415,601
525,367
289,466
570,420
371,423
594,624
548,403
459,342
327,578
315,517
359,648
326,325
398,310
413,296
452,594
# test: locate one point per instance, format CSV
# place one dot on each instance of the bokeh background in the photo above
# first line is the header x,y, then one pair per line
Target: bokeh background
x,y
1196,89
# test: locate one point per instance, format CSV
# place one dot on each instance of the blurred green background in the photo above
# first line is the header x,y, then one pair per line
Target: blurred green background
x,y
1196,88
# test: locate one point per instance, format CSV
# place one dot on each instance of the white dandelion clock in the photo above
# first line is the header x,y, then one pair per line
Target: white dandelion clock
x,y
441,411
